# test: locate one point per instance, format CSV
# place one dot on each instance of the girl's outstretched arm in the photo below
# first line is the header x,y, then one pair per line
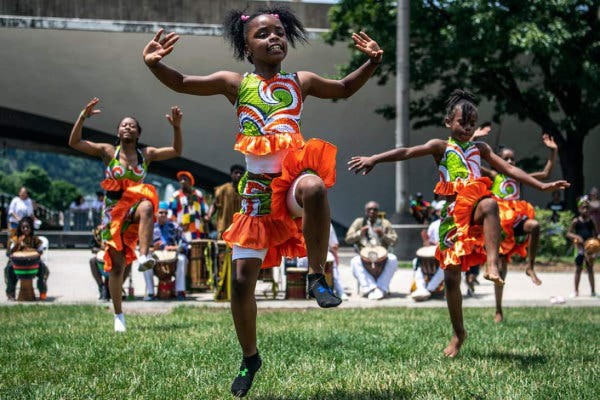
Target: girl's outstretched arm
x,y
102,150
314,85
517,173
549,143
434,147
222,82
165,153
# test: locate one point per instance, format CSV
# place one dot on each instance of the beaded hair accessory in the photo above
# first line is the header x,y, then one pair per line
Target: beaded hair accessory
x,y
244,18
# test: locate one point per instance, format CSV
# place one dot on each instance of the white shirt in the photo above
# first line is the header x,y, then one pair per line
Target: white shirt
x,y
433,231
22,208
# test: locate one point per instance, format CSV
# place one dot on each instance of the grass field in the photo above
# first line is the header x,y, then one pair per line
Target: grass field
x,y
70,352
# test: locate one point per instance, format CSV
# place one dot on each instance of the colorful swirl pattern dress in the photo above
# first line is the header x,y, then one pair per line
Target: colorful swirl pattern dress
x,y
461,242
513,212
269,136
125,190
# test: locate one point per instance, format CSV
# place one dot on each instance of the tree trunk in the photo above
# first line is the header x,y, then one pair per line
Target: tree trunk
x,y
571,163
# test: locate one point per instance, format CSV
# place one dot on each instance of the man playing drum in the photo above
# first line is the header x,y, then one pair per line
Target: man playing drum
x,y
25,240
375,266
168,236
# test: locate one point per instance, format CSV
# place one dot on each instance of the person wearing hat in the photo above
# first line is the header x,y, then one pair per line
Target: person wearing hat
x,y
227,200
188,206
168,236
375,266
426,284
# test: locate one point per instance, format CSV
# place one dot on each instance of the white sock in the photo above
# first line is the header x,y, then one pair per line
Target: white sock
x,y
120,323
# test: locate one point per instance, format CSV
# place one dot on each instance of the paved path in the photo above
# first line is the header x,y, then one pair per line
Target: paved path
x,y
70,282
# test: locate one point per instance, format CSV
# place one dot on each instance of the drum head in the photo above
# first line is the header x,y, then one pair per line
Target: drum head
x,y
165,256
25,254
373,254
426,252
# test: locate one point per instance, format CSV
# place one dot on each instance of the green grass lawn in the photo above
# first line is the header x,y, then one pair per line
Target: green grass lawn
x,y
70,352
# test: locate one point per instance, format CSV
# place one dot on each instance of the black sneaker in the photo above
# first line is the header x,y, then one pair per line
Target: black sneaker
x,y
243,381
320,290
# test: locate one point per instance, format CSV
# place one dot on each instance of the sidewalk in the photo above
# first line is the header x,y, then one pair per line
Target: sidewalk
x,y
70,282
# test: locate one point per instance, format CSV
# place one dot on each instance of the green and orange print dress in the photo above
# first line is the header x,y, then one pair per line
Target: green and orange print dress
x,y
125,189
276,154
461,242
513,211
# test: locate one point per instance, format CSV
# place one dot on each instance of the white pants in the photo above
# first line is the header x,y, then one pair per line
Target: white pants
x,y
179,276
367,282
434,282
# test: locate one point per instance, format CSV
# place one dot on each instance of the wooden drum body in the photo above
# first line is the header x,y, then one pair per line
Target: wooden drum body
x,y
164,269
295,287
26,265
200,257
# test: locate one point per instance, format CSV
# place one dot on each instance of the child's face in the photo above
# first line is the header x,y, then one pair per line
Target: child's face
x,y
265,40
508,155
584,209
462,130
128,129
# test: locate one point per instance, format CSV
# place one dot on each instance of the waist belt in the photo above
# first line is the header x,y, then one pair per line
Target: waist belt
x,y
114,194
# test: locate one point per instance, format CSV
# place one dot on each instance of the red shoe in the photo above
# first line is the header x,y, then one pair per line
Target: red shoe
x,y
43,296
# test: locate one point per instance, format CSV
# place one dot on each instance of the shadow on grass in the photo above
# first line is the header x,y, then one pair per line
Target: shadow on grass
x,y
345,395
523,361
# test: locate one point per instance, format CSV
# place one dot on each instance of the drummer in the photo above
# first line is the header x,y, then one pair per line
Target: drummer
x,y
373,236
583,228
23,240
168,236
424,289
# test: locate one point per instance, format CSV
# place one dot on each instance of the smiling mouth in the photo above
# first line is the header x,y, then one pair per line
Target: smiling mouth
x,y
275,47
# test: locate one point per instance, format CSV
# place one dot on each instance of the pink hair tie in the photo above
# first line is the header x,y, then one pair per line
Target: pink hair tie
x,y
275,15
244,18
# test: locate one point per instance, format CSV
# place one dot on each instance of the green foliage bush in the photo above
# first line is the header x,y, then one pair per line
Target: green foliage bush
x,y
553,240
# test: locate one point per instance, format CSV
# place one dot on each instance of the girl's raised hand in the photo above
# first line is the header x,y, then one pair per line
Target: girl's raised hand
x,y
481,132
88,111
360,164
556,185
549,141
368,46
175,117
158,47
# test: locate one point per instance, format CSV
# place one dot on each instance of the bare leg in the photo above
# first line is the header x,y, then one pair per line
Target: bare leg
x,y
115,282
589,263
532,228
243,302
144,215
499,290
95,273
311,195
486,213
452,277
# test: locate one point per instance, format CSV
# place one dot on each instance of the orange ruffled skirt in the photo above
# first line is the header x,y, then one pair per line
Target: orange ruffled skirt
x,y
513,213
275,229
461,242
123,234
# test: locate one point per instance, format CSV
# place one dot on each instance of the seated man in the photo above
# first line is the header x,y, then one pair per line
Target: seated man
x,y
168,236
372,236
428,276
23,240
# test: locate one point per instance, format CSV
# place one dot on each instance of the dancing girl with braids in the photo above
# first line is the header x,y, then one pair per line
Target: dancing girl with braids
x,y
470,227
520,230
129,204
285,210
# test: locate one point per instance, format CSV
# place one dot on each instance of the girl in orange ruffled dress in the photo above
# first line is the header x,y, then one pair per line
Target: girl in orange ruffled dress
x,y
285,211
470,227
129,204
520,230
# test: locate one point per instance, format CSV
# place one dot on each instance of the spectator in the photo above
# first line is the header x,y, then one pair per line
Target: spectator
x,y
420,209
25,239
79,211
227,200
372,237
594,206
583,228
97,205
556,205
168,236
20,207
188,207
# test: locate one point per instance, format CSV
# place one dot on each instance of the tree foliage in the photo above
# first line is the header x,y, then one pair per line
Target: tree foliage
x,y
537,59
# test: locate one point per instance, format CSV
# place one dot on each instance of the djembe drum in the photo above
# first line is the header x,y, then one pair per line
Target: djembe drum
x,y
429,266
164,269
200,256
26,265
295,287
591,247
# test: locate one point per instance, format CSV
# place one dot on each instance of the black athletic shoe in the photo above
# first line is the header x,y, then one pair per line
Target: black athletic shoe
x,y
243,381
320,290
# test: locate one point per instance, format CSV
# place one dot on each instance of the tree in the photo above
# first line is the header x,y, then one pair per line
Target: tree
x,y
537,59
37,182
61,195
